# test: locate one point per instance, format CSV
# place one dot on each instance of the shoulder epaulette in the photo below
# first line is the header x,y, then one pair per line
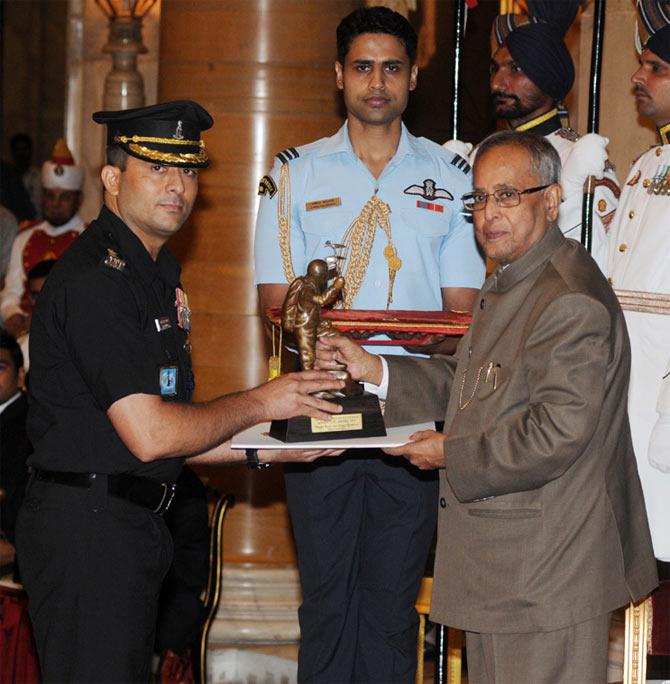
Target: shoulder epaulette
x,y
461,164
569,134
286,155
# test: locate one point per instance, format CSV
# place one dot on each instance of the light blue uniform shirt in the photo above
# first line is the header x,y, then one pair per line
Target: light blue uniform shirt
x,y
432,235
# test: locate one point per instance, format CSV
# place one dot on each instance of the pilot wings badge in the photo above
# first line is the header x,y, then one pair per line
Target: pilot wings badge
x,y
428,191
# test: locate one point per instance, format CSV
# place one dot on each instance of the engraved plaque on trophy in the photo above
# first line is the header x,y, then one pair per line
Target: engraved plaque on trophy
x,y
301,318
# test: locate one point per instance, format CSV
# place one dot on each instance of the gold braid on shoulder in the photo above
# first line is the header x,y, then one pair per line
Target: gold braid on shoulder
x,y
284,219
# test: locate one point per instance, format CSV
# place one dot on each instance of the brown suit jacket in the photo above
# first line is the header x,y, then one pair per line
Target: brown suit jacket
x,y
542,522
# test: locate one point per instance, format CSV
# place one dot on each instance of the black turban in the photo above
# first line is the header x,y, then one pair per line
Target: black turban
x,y
653,18
537,46
540,51
659,43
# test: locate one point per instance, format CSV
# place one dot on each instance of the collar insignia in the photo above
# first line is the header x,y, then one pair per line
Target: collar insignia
x,y
635,179
428,190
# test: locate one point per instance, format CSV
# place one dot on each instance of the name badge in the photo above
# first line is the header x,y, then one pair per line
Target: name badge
x,y
323,204
162,323
168,381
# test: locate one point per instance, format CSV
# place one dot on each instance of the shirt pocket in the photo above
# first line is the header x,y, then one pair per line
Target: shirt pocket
x,y
515,506
424,223
329,223
161,348
493,379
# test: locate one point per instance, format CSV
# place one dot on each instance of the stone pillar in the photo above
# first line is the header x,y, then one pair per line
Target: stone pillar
x,y
86,68
124,88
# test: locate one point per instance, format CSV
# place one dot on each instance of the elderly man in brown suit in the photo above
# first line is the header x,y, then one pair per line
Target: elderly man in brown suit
x,y
542,525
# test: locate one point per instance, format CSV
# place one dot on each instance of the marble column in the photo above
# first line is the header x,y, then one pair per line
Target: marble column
x,y
86,68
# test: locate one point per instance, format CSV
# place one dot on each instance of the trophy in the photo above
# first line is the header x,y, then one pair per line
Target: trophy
x,y
301,317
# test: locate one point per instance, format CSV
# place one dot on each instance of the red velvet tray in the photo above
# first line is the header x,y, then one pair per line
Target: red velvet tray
x,y
417,325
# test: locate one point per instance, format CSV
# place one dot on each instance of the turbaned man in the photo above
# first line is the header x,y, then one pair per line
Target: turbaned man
x,y
639,271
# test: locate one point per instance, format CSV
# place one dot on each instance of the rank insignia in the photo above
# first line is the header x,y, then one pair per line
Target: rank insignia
x,y
267,186
428,190
167,377
286,155
461,164
183,312
113,260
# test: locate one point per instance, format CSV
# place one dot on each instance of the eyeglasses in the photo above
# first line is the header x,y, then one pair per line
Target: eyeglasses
x,y
509,197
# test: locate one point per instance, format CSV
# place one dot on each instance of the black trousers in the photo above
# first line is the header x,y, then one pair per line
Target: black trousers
x,y
92,566
363,526
181,613
658,666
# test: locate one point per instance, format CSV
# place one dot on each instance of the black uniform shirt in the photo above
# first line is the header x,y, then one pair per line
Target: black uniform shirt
x,y
104,327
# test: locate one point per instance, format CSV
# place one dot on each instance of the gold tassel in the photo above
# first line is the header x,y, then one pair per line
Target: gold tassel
x,y
274,364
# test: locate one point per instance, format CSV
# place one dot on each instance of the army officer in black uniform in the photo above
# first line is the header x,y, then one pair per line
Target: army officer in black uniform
x,y
111,420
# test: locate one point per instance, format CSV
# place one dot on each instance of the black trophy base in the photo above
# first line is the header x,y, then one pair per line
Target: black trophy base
x,y
361,417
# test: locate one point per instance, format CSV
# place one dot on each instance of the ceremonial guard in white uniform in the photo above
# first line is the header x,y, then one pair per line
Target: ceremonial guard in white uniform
x,y
531,73
639,271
